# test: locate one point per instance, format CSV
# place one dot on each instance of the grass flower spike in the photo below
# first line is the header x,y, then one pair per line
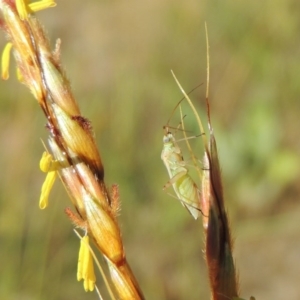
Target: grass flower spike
x,y
74,155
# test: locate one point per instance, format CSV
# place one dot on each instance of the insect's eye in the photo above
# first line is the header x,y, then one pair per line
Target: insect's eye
x,y
166,139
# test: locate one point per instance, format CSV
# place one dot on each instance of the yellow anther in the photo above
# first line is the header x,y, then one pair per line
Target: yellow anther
x,y
5,61
85,268
40,5
48,164
46,188
25,8
19,75
45,162
22,9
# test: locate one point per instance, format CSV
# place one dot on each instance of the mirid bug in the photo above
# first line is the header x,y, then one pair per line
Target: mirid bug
x,y
184,187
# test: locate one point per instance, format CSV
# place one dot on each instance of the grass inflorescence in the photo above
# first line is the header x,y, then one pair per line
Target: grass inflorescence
x,y
74,155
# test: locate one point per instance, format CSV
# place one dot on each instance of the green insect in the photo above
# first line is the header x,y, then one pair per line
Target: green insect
x,y
184,187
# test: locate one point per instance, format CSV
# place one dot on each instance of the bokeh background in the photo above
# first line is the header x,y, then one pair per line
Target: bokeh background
x,y
118,56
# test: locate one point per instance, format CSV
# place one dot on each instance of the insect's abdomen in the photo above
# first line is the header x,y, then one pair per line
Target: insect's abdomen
x,y
189,195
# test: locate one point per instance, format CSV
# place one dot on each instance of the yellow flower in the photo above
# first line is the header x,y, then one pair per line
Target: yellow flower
x,y
50,166
85,268
25,8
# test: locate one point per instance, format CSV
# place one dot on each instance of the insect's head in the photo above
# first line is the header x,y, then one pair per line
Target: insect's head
x,y
168,136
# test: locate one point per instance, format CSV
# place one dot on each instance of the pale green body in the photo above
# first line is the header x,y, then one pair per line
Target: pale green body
x,y
184,187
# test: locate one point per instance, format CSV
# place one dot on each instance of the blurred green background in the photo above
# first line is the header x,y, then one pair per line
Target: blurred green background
x,y
118,56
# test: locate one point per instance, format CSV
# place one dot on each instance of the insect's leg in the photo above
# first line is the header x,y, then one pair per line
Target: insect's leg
x,y
183,172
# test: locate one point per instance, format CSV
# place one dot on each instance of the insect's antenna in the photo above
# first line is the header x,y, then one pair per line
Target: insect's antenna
x,y
189,137
180,127
181,122
166,127
207,77
180,102
192,107
190,148
176,128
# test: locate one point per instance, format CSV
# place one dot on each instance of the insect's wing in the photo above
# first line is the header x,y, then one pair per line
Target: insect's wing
x,y
189,195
